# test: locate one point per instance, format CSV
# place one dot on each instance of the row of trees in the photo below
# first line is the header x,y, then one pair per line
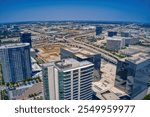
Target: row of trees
x,y
25,82
4,95
35,96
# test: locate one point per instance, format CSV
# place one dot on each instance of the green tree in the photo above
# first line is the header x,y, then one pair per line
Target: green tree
x,y
147,97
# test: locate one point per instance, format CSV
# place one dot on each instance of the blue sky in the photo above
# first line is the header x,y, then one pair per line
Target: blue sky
x,y
98,10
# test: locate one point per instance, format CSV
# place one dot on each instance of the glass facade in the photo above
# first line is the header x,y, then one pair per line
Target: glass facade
x,y
98,30
16,62
132,78
111,33
45,84
86,83
26,38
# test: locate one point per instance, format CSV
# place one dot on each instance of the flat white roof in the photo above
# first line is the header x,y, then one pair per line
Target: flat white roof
x,y
81,56
139,58
71,63
115,38
110,96
68,64
16,45
36,67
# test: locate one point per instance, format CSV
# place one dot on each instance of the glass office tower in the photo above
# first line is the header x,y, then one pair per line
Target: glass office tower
x,y
25,37
16,63
133,74
98,30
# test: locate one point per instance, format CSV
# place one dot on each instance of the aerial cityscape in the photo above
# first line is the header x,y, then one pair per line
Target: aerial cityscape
x,y
77,58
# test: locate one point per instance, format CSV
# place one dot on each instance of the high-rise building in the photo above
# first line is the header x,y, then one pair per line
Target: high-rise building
x,y
98,30
68,79
133,74
16,62
25,37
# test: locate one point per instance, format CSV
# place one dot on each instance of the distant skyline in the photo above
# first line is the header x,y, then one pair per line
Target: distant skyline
x,y
61,10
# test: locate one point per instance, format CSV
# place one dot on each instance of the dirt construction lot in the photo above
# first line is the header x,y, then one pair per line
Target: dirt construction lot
x,y
49,53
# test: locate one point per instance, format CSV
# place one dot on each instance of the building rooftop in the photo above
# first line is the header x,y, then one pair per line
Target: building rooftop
x,y
110,96
82,53
140,48
26,32
139,58
73,49
109,93
101,86
87,52
71,63
115,38
16,45
36,67
47,64
67,64
129,51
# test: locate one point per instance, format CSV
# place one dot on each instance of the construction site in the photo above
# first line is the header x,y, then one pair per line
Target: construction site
x,y
49,52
